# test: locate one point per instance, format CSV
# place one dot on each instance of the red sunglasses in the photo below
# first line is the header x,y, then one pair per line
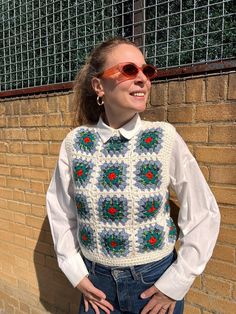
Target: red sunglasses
x,y
130,70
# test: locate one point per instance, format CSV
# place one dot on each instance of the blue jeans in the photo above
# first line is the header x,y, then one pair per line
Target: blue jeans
x,y
123,285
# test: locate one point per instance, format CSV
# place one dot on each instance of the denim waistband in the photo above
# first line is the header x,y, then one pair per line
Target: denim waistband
x,y
135,270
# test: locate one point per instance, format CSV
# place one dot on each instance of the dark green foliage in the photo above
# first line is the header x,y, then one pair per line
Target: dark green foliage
x,y
45,42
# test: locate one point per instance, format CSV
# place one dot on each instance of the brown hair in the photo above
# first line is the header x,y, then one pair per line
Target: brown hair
x,y
87,109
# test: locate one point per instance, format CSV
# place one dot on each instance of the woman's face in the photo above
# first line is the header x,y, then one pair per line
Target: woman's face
x,y
122,96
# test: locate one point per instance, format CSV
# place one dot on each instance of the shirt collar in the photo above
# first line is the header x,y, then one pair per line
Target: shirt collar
x,y
128,130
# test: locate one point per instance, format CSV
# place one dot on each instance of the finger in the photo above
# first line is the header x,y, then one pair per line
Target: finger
x,y
156,309
103,307
94,307
86,305
172,308
107,304
98,294
149,292
148,307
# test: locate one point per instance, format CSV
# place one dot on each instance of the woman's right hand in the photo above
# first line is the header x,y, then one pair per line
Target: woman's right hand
x,y
93,296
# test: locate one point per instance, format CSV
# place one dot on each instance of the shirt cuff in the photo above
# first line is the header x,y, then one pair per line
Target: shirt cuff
x,y
172,285
74,268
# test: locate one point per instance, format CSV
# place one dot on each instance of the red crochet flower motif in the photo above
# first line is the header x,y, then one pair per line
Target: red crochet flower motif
x,y
112,176
149,175
112,210
152,240
148,139
87,140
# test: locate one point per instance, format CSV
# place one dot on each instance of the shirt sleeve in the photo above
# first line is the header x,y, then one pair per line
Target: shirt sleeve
x,y
61,211
198,220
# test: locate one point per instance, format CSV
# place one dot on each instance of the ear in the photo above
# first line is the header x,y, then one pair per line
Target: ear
x,y
97,86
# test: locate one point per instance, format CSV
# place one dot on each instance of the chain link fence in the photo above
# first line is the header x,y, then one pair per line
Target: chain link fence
x,y
44,42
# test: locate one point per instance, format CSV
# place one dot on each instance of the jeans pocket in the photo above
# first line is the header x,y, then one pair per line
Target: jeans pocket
x,y
149,275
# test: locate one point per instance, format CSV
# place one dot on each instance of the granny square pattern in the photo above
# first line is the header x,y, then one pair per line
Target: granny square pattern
x,y
114,243
148,174
83,210
116,146
150,141
150,238
82,171
113,209
85,141
149,208
86,237
112,176
172,230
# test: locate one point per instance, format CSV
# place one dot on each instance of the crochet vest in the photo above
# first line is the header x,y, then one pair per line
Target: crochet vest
x,y
121,194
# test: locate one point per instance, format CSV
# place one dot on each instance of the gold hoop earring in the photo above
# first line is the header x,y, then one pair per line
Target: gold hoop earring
x,y
100,102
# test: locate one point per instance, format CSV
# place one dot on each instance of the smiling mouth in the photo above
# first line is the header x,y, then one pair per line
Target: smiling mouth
x,y
137,94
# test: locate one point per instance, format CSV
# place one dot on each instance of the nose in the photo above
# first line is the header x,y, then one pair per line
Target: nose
x,y
141,77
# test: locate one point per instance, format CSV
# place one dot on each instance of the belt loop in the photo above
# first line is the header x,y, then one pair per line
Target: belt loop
x,y
93,268
133,272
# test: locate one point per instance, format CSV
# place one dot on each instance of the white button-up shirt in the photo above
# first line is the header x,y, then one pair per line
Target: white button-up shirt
x,y
198,219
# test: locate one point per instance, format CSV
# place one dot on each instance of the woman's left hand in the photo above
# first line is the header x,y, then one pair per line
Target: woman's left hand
x,y
159,302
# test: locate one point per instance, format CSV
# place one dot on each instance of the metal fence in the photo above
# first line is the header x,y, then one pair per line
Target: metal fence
x,y
44,42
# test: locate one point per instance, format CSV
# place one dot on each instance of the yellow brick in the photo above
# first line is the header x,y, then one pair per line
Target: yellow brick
x,y
225,195
228,215
4,170
63,101
50,162
19,207
17,160
221,269
38,211
159,94
212,303
36,222
36,186
19,218
219,112
68,119
157,114
39,174
3,181
33,134
36,161
32,121
15,148
19,196
16,171
222,174
22,230
2,158
225,134
180,114
3,204
35,148
3,122
194,90
6,236
227,235
18,183
216,155
54,134
224,253
216,87
6,278
54,120
6,193
13,122
193,133
14,134
35,198
54,148
19,240
3,147
216,286
176,92
232,86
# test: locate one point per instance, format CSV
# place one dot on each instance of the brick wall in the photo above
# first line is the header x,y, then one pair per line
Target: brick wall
x,y
31,130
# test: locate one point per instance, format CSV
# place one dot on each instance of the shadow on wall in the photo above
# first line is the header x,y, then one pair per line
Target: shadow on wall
x,y
57,295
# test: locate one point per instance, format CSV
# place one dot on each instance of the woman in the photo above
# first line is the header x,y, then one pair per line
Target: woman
x,y
109,194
